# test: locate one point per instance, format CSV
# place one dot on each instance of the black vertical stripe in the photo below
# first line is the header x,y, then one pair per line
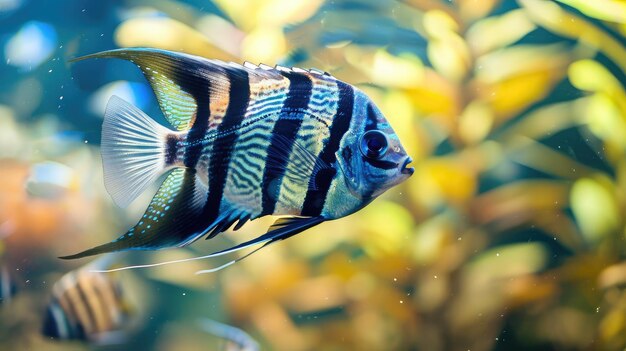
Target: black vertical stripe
x,y
98,286
75,323
372,119
171,149
199,89
239,96
315,198
50,326
85,301
288,124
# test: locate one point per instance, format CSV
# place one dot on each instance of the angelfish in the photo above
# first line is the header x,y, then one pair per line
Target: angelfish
x,y
247,141
89,306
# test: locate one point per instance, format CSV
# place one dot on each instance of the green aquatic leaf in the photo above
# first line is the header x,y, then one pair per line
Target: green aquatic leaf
x,y
552,17
595,208
497,32
608,10
506,261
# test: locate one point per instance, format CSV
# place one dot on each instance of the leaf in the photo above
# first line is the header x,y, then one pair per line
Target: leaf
x,y
595,208
497,32
549,15
471,10
607,10
169,34
536,155
517,203
505,262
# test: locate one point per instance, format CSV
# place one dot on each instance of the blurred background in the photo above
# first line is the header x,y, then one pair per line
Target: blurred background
x,y
511,235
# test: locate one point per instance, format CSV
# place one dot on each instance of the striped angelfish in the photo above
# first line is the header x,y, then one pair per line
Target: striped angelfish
x,y
247,141
88,306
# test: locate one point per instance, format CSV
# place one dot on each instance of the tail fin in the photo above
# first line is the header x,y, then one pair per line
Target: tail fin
x,y
133,151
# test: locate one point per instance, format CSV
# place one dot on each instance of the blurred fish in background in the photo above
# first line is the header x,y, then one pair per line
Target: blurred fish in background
x,y
509,236
8,285
89,306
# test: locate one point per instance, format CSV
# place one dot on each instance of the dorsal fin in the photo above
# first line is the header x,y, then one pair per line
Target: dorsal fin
x,y
250,65
316,71
181,82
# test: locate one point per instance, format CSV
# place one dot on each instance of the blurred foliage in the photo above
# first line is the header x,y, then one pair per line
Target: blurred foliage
x,y
510,235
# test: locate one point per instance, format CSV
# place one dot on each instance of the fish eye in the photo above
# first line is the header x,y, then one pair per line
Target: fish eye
x,y
374,144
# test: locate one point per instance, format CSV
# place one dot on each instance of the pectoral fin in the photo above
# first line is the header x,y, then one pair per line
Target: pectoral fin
x,y
299,164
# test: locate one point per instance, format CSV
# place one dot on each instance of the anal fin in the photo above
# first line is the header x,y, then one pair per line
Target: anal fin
x,y
282,230
226,221
172,218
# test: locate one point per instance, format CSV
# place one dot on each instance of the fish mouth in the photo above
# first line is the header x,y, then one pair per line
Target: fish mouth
x,y
405,169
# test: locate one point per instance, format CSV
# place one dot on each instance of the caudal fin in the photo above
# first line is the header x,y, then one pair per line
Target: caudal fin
x,y
133,151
